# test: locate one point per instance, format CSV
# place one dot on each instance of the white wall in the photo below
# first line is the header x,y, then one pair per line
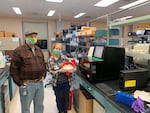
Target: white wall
x,y
99,25
11,25
15,25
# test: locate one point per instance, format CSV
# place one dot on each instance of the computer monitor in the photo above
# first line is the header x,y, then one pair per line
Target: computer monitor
x,y
147,32
98,51
42,43
91,51
65,32
113,61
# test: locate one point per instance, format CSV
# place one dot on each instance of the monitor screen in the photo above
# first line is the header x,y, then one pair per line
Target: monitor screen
x,y
65,31
98,52
90,52
147,32
42,43
113,61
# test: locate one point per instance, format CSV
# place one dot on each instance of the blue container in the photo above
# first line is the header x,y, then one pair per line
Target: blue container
x,y
124,98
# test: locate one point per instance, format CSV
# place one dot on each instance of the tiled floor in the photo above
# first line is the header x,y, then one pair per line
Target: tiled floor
x,y
49,103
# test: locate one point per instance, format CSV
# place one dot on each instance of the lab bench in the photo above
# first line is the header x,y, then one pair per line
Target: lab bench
x,y
106,100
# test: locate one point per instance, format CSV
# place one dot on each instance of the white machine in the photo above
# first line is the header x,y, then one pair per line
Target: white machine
x,y
2,60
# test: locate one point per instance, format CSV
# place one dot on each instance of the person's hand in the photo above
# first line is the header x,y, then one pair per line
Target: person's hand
x,y
22,86
61,70
55,72
42,79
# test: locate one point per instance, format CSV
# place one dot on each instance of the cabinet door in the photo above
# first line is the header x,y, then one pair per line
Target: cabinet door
x,y
98,108
85,102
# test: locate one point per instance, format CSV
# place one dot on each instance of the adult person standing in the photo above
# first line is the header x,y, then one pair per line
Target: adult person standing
x,y
28,70
61,83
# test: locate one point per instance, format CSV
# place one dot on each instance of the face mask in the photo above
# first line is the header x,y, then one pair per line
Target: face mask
x,y
32,40
57,51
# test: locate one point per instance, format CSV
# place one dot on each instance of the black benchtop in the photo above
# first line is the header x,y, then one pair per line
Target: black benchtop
x,y
114,84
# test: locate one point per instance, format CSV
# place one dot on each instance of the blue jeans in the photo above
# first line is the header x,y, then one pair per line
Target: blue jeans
x,y
32,91
62,96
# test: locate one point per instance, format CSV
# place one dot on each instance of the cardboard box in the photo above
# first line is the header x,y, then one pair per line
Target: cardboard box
x,y
1,34
8,34
85,102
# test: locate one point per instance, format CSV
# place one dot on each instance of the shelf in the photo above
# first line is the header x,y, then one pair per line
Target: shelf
x,y
131,21
72,45
84,47
146,36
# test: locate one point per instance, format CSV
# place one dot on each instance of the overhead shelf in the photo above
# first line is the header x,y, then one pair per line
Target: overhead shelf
x,y
131,21
101,33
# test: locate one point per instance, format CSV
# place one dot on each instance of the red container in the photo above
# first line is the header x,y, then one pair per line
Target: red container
x,y
67,73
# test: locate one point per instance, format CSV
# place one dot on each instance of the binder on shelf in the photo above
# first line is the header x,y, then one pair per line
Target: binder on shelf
x,y
113,32
100,33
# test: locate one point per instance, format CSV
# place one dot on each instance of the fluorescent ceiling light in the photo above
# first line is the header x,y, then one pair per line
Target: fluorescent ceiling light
x,y
127,17
17,10
79,15
133,4
105,3
51,13
58,1
123,18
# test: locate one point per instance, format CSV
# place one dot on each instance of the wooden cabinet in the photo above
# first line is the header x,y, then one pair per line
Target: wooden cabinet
x,y
85,102
100,97
97,107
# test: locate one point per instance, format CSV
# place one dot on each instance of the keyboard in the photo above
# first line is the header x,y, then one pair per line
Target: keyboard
x,y
106,89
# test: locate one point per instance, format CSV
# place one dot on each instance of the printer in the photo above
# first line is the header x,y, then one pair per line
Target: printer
x,y
133,79
105,63
137,72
